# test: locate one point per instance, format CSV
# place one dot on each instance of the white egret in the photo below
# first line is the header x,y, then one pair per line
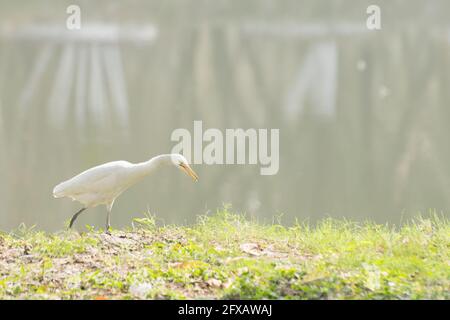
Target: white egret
x,y
104,183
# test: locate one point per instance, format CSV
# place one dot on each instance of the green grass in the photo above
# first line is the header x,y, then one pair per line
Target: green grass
x,y
227,256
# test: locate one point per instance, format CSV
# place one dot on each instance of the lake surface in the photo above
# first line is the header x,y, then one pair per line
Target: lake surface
x,y
362,115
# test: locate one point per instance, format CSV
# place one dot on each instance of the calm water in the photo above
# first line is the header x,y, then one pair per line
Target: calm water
x,y
363,115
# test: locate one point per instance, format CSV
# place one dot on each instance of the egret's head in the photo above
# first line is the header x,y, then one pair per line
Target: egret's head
x,y
182,163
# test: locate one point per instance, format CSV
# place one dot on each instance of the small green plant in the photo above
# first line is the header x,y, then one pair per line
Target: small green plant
x,y
148,222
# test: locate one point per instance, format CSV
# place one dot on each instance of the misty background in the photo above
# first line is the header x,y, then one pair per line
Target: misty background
x,y
363,115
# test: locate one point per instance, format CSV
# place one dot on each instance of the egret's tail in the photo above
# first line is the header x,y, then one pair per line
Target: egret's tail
x,y
58,191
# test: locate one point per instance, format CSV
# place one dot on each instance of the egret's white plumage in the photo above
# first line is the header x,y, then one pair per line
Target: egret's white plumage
x,y
104,183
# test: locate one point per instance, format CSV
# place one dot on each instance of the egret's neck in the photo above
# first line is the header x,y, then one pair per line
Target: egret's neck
x,y
149,166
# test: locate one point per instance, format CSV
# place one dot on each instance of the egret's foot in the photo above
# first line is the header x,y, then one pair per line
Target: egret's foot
x,y
108,222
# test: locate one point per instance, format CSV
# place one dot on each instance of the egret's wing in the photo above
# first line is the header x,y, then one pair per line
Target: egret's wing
x,y
90,180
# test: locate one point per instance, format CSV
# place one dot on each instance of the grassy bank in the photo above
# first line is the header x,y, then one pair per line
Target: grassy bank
x,y
228,256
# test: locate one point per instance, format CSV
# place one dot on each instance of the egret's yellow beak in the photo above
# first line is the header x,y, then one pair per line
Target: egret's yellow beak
x,y
186,168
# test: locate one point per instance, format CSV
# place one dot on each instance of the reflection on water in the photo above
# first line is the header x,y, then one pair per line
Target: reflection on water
x,y
363,116
316,82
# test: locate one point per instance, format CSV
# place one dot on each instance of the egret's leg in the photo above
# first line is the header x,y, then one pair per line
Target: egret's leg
x,y
108,221
75,216
108,224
